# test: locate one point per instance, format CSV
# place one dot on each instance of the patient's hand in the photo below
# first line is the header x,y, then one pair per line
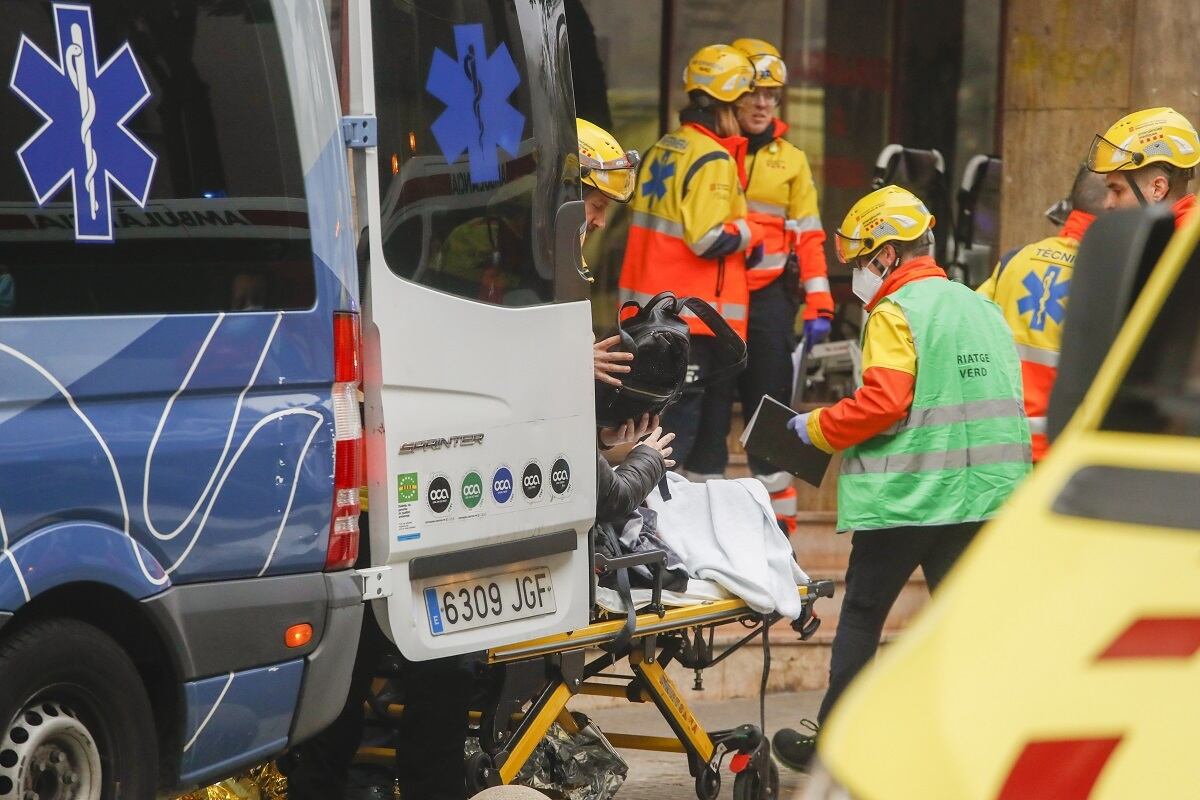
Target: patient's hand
x,y
628,431
660,442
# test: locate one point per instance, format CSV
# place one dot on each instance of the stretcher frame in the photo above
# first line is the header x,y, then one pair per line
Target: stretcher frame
x,y
535,680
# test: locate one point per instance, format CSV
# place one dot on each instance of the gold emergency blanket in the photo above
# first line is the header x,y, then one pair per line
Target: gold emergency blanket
x,y
261,783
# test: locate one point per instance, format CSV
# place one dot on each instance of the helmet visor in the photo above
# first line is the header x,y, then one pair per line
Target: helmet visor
x,y
769,70
848,248
1105,156
616,178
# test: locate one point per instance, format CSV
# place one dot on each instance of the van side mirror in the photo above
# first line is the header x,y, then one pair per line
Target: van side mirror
x,y
1115,259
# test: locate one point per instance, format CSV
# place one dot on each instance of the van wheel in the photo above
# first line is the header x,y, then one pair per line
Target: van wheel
x,y
75,722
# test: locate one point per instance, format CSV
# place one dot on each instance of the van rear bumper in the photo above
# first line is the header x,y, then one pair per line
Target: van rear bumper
x,y
329,667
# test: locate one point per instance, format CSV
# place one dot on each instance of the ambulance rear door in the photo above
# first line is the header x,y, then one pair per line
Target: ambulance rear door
x,y
476,329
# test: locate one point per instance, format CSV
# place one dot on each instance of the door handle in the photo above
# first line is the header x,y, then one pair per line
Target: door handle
x,y
572,281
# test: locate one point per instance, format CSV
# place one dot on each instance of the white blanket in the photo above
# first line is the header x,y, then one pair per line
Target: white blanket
x,y
697,592
725,532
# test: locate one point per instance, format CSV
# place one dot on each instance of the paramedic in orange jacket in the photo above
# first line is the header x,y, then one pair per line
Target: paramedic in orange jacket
x,y
1031,285
782,198
1148,157
689,234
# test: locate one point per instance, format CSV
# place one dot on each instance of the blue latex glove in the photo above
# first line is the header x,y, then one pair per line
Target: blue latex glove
x,y
754,256
816,330
799,426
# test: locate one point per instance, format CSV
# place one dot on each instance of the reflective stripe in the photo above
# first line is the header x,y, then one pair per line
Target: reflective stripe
x,y
772,261
804,224
1037,355
744,230
946,459
733,311
817,285
961,412
730,311
649,221
625,295
1037,425
707,240
763,207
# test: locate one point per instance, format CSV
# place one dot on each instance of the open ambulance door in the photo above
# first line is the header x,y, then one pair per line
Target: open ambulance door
x,y
480,420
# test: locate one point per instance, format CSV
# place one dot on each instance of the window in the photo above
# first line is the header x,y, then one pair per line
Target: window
x,y
225,223
468,187
1161,392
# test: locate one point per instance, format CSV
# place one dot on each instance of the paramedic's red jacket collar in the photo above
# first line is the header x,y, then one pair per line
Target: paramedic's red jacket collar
x,y
781,128
915,270
1183,208
734,145
1076,225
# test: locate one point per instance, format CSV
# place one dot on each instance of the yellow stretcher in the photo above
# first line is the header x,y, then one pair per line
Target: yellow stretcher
x,y
534,682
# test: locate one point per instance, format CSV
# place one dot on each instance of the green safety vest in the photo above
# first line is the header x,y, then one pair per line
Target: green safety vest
x,y
964,445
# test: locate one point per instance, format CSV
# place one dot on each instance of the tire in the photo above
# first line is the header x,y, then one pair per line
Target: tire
x,y
746,786
73,713
480,774
708,784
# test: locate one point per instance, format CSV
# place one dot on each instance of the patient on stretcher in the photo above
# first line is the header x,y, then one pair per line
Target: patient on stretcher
x,y
720,537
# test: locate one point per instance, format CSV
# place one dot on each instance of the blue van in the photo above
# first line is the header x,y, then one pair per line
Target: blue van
x,y
180,435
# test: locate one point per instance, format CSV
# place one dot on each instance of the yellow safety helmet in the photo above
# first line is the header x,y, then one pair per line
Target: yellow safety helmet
x,y
769,69
720,71
603,165
890,214
1152,135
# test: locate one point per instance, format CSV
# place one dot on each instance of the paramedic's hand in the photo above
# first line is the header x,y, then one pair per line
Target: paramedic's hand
x,y
754,256
659,441
629,431
799,426
816,331
605,364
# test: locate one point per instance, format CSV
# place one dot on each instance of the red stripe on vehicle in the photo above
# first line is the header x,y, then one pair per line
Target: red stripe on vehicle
x,y
1156,637
1059,769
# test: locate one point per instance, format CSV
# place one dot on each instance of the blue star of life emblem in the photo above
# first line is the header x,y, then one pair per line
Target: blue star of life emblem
x,y
478,116
1047,298
84,139
661,171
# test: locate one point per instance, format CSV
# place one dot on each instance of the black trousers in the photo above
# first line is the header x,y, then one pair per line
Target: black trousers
x,y
770,341
881,562
700,418
432,730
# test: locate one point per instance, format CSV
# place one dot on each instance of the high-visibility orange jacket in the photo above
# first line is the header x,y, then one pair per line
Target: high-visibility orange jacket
x,y
782,198
889,370
689,233
1031,285
1183,208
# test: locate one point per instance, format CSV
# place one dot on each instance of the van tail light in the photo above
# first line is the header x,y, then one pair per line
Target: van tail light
x,y
348,441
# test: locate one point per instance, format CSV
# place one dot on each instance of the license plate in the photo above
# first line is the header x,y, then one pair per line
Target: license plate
x,y
490,600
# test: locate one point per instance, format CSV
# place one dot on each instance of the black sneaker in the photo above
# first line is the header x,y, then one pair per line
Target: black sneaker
x,y
794,749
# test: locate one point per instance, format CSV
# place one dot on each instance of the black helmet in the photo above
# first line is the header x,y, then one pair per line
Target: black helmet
x,y
659,340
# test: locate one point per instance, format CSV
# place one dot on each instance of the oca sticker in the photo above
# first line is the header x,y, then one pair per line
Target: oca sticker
x,y
502,486
531,480
439,494
560,476
472,490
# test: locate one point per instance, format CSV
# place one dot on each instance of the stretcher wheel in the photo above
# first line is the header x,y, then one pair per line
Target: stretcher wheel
x,y
708,784
480,773
747,786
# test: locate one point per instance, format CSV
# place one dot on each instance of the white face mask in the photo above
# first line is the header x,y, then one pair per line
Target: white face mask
x,y
865,283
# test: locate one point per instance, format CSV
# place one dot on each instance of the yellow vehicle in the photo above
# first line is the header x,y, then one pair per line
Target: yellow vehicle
x,y
1059,659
